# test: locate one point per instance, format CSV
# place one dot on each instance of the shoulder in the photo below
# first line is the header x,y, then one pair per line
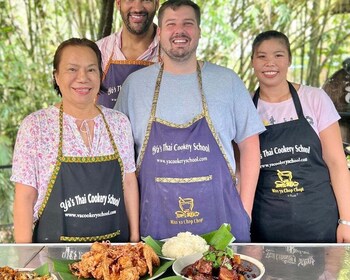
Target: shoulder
x,y
41,115
223,80
113,114
143,75
215,71
115,118
107,41
212,67
313,94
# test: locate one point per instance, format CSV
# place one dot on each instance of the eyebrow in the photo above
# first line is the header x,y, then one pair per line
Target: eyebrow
x,y
279,51
72,64
185,19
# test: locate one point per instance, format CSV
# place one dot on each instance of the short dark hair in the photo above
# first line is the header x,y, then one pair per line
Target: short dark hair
x,y
76,42
174,5
271,34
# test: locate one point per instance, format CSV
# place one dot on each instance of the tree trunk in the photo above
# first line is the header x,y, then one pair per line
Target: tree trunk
x,y
106,19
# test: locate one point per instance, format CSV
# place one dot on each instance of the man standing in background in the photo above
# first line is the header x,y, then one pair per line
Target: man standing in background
x,y
131,48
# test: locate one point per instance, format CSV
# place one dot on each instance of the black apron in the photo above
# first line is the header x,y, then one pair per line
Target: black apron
x,y
294,201
84,201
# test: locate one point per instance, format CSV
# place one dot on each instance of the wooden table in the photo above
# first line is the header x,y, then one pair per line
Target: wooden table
x,y
281,261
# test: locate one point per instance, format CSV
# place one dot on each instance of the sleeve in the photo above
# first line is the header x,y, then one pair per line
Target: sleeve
x,y
104,46
25,153
324,109
247,119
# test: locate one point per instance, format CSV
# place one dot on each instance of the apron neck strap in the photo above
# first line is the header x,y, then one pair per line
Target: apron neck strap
x,y
295,98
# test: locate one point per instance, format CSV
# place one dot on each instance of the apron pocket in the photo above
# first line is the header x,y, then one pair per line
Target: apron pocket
x,y
184,180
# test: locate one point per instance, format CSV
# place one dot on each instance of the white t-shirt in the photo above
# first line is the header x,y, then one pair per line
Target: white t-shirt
x,y
317,107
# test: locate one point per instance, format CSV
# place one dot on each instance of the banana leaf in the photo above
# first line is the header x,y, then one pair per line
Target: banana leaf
x,y
42,270
219,239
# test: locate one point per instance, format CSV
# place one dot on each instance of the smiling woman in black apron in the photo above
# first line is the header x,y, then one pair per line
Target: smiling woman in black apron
x,y
304,185
73,162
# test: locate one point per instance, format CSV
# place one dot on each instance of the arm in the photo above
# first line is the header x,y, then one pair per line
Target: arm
x,y
333,155
249,166
25,197
131,195
237,160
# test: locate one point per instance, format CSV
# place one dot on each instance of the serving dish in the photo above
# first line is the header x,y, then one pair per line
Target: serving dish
x,y
257,268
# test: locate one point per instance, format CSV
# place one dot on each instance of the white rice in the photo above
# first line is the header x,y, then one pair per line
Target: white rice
x,y
185,243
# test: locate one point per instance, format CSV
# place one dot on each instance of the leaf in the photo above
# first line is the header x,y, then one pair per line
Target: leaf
x,y
42,270
164,265
67,276
220,238
155,244
62,265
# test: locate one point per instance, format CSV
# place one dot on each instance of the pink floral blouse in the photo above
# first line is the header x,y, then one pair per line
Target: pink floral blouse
x,y
37,145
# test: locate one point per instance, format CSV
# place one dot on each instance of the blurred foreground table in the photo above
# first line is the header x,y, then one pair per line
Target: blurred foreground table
x,y
281,261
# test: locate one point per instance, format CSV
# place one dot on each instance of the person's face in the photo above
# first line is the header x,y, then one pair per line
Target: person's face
x,y
270,62
137,15
78,75
179,33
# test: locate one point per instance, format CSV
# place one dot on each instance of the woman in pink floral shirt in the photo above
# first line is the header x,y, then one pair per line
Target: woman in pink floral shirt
x,y
74,162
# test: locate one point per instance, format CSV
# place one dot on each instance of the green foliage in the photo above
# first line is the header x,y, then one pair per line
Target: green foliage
x,y
319,37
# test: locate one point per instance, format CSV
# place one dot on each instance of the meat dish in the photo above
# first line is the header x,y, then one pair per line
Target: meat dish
x,y
218,264
105,261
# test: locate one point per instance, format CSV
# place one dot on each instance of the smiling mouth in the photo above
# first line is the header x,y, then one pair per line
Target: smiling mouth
x,y
270,72
82,90
137,17
180,40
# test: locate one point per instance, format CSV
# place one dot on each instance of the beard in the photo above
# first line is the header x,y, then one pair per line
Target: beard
x,y
141,27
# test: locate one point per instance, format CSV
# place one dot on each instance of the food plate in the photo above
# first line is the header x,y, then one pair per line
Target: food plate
x,y
257,267
155,276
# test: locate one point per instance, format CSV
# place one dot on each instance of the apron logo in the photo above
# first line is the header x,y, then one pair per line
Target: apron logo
x,y
186,205
286,184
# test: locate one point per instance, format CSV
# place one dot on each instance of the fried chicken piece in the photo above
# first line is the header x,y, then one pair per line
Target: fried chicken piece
x,y
151,258
100,246
141,267
130,273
